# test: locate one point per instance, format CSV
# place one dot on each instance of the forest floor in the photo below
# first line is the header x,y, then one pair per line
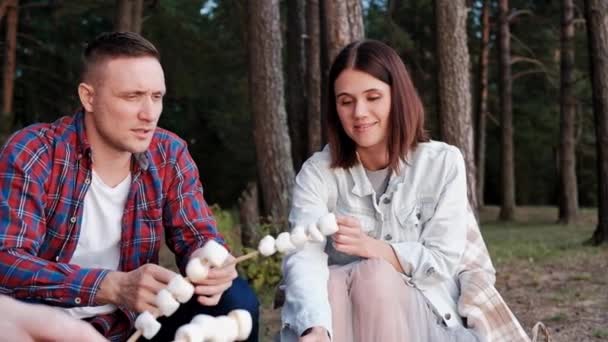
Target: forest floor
x,y
543,271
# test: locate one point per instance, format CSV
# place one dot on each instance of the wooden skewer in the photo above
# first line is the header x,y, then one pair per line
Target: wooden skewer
x,y
247,256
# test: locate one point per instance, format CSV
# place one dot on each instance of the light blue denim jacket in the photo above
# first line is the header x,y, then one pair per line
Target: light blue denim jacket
x,y
422,215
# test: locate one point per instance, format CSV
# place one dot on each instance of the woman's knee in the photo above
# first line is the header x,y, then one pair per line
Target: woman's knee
x,y
376,279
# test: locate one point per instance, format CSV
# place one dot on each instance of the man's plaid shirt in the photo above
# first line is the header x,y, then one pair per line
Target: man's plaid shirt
x,y
45,171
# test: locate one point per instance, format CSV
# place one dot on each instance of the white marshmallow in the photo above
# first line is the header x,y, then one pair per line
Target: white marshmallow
x,y
166,303
227,327
147,324
213,253
181,289
298,236
207,323
314,234
190,333
283,243
327,224
196,270
266,247
244,322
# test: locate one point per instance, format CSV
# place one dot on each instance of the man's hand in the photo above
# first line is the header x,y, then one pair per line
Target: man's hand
x,y
135,290
218,280
316,334
31,323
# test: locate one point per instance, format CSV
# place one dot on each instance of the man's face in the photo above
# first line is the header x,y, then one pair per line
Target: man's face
x,y
125,104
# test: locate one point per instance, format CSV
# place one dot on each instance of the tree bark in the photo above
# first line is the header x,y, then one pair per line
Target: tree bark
x,y
137,15
249,214
343,23
568,199
507,165
313,75
10,61
296,72
454,90
596,12
123,17
273,148
482,104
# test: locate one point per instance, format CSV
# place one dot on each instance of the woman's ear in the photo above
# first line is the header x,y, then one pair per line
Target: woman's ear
x,y
86,94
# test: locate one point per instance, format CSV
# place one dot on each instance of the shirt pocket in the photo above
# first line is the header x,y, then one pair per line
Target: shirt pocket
x,y
408,221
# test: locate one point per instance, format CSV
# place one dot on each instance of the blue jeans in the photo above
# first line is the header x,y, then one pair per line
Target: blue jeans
x,y
239,296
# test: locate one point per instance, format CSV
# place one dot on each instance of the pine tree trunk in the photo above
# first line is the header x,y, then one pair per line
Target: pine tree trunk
x,y
568,201
454,96
249,215
507,165
123,17
10,62
313,76
343,23
137,15
482,105
596,12
273,148
296,72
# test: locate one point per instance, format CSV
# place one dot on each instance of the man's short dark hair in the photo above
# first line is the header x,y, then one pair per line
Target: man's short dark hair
x,y
111,45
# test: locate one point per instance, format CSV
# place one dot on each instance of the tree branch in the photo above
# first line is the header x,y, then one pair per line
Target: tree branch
x,y
528,72
518,13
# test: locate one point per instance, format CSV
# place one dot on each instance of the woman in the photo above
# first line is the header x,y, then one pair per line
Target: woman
x,y
401,203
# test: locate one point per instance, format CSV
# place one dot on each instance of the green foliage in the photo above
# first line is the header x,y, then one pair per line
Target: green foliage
x,y
263,272
226,225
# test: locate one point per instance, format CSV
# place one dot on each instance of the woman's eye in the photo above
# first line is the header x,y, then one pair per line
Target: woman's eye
x,y
374,98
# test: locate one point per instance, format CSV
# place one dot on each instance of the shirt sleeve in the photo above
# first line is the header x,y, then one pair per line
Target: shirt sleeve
x,y
188,220
437,253
306,272
24,164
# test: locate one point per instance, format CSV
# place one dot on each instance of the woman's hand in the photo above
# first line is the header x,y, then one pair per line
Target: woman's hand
x,y
351,239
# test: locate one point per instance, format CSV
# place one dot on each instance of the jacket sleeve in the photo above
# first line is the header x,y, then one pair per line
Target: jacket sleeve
x,y
306,272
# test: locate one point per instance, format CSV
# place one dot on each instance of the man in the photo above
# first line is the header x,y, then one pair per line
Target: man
x,y
85,201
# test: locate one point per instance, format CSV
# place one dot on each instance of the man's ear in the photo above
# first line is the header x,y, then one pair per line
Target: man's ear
x,y
86,93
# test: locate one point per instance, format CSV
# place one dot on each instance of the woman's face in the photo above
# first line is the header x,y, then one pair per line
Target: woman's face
x,y
363,103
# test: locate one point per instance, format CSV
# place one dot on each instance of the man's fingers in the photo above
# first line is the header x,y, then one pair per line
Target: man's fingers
x,y
160,273
209,300
212,290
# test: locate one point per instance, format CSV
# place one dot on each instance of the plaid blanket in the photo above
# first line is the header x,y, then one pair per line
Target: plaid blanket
x,y
480,303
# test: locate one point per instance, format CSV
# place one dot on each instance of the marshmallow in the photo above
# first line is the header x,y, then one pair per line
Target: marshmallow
x,y
147,324
298,236
196,270
213,253
190,333
206,323
314,234
181,289
244,322
327,224
227,328
166,303
283,243
266,247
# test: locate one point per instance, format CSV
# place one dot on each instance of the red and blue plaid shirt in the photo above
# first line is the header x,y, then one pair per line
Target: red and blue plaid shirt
x,y
45,172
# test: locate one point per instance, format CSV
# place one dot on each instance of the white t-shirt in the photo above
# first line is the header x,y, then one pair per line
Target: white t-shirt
x,y
100,233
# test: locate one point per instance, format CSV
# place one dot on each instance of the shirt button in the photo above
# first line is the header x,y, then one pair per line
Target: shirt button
x,y
79,156
73,219
386,200
418,215
57,258
87,181
430,271
447,316
388,237
77,300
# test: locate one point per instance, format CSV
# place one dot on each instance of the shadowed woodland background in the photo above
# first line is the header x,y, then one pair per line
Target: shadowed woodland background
x,y
521,86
